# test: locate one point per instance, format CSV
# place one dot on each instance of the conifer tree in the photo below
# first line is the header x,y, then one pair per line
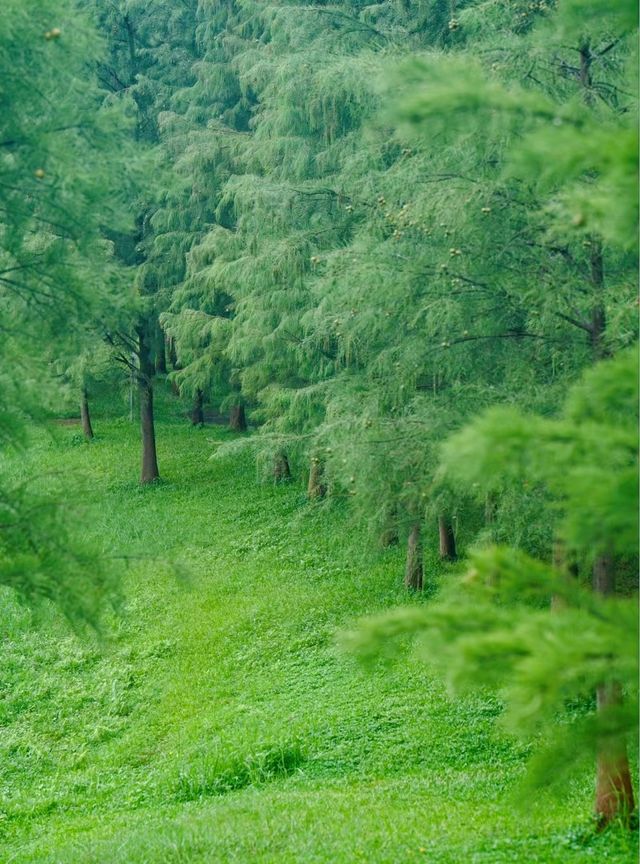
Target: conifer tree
x,y
150,54
59,154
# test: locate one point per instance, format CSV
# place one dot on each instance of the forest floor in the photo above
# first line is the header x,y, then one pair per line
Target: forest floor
x,y
219,720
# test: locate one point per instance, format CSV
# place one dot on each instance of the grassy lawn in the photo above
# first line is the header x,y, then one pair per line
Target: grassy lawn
x,y
218,721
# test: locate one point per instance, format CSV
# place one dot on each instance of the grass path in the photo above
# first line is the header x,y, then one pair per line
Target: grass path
x,y
221,723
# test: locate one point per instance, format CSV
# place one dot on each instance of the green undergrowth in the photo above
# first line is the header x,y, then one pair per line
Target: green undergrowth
x,y
215,719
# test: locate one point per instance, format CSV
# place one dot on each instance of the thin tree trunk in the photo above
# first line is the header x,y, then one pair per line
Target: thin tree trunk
x,y
559,561
598,321
132,386
316,487
614,789
197,412
173,357
281,468
149,471
598,312
389,534
586,79
567,565
161,353
490,509
447,539
238,418
173,360
414,568
85,416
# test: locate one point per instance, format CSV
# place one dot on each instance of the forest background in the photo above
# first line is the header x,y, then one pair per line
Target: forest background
x,y
396,245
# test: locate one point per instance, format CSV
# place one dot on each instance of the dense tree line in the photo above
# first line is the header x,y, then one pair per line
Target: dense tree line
x,y
358,226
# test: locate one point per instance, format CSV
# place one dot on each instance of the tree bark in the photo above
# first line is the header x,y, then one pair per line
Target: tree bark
x,y
238,418
85,416
281,469
614,797
414,568
316,487
197,412
149,471
447,539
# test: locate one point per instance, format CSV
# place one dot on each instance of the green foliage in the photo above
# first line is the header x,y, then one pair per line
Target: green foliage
x,y
568,125
43,559
587,460
368,224
496,626
376,241
60,151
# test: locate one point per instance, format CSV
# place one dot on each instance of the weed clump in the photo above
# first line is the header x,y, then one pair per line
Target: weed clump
x,y
218,774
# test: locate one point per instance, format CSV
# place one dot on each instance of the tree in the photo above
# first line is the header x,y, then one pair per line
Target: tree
x,y
151,49
59,155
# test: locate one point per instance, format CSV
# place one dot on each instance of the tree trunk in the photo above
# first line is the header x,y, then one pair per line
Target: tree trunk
x,y
614,789
161,354
85,416
559,562
197,412
173,357
598,312
149,471
316,488
132,386
447,539
586,78
389,534
414,569
490,509
597,324
173,360
281,469
238,419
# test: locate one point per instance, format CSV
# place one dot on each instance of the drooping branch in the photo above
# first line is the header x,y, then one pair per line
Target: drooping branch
x,y
360,25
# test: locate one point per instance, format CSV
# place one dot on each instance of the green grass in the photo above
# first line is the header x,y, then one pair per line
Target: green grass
x,y
219,722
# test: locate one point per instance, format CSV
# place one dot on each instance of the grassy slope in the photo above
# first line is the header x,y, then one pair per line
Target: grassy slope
x,y
221,724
